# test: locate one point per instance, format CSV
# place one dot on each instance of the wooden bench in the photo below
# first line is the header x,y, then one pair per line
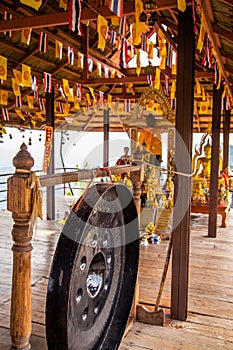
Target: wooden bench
x,y
204,209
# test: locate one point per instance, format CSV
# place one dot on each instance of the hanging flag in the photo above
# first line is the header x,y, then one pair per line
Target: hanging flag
x,y
201,35
34,86
109,99
122,28
15,87
90,64
123,54
20,114
149,79
48,147
30,101
112,73
63,4
66,108
7,16
150,50
92,93
181,4
138,9
26,35
61,90
3,67
18,76
207,58
74,16
116,6
113,37
70,55
26,76
58,49
157,79
41,104
203,107
43,42
173,89
203,94
80,60
101,98
32,3
76,103
3,97
102,28
106,72
194,10
79,91
5,115
71,95
88,99
99,69
66,87
18,101
198,87
166,85
47,82
61,109
127,106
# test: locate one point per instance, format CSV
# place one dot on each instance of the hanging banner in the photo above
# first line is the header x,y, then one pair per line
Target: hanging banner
x,y
48,147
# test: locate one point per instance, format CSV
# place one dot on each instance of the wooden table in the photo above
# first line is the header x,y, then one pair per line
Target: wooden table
x,y
204,209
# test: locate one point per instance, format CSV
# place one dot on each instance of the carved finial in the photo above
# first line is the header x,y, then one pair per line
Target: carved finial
x,y
23,159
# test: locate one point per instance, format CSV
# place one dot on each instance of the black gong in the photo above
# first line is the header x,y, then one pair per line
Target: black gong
x,y
94,270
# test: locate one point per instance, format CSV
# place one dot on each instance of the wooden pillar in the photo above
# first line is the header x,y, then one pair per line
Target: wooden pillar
x,y
19,197
50,122
183,153
106,137
226,135
85,31
216,120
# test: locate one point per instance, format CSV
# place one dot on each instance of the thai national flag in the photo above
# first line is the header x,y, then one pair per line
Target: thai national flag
x,y
70,54
43,42
41,104
149,79
47,82
18,101
5,115
127,106
116,6
61,90
101,98
79,91
7,16
74,16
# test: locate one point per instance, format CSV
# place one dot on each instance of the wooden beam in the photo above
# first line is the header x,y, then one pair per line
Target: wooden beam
x,y
227,55
225,34
227,2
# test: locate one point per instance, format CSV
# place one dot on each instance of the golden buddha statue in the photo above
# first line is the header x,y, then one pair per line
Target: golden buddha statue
x,y
204,163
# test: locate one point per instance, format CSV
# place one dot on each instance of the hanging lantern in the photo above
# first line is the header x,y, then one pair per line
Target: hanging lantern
x,y
150,6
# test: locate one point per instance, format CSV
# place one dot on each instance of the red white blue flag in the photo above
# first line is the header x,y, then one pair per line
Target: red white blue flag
x,y
5,115
47,82
43,42
74,16
101,98
70,55
34,86
18,101
7,16
79,91
41,104
122,29
123,54
127,106
149,79
61,109
61,90
116,6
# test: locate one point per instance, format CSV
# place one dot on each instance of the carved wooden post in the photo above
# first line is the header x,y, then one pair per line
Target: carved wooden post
x,y
136,177
19,202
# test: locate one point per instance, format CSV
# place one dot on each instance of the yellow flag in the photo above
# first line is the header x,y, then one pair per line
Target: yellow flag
x,y
26,75
15,87
58,49
157,79
32,3
201,35
66,108
20,114
113,73
181,4
102,28
26,36
76,103
203,107
3,67
203,94
3,97
18,76
138,62
88,98
162,63
66,87
174,69
150,49
92,93
138,9
198,87
30,102
80,60
63,4
109,99
219,80
173,89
